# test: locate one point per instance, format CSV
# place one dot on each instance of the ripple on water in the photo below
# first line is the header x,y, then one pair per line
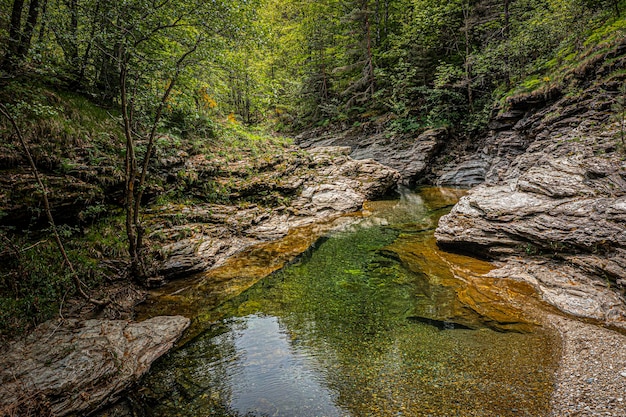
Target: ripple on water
x,y
358,328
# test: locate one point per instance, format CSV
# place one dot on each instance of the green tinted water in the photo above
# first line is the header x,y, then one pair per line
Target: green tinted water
x,y
374,321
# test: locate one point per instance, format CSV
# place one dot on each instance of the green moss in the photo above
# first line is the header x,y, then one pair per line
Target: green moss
x,y
607,33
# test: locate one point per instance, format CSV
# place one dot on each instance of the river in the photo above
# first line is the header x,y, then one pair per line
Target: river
x,y
373,320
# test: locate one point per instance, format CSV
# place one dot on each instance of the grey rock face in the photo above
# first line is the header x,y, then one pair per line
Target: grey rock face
x,y
468,173
553,206
411,156
75,366
331,184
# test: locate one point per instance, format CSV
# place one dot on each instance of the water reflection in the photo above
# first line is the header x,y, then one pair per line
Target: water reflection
x,y
375,322
270,375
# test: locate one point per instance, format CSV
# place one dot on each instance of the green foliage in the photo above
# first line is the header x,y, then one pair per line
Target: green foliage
x,y
584,41
298,63
33,279
409,124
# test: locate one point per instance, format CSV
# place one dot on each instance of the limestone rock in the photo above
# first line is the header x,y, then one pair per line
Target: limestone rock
x,y
411,156
468,173
553,205
74,367
329,184
568,288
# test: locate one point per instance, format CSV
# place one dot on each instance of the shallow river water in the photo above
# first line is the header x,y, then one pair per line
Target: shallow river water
x,y
374,320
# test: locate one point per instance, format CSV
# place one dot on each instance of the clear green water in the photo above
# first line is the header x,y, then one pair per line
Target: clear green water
x,y
371,322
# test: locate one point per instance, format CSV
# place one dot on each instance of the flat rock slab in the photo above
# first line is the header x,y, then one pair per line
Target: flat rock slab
x,y
73,367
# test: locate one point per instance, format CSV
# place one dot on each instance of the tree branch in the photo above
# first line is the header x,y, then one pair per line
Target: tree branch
x,y
75,279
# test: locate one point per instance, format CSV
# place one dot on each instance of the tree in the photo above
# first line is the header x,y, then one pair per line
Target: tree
x,y
360,84
20,36
154,46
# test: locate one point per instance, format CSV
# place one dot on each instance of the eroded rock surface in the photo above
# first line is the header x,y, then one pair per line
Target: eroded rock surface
x,y
553,205
74,367
410,155
321,186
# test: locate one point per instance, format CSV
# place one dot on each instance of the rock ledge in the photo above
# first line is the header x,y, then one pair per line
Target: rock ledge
x,y
74,367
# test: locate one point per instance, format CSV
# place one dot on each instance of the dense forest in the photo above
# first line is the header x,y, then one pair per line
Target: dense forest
x,y
297,63
111,84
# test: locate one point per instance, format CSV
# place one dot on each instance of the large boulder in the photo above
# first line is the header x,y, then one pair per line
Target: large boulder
x,y
553,204
73,367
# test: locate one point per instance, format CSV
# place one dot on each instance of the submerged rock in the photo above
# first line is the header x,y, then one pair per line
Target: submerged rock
x,y
439,324
72,367
568,288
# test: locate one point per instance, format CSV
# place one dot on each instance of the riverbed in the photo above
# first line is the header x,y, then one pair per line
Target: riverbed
x,y
372,320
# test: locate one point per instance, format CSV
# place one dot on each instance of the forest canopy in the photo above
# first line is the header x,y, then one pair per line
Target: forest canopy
x,y
298,63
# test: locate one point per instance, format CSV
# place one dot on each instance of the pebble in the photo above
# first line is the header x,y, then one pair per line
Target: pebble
x,y
601,393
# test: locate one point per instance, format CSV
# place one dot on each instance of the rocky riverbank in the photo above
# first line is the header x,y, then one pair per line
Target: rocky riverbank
x,y
549,209
308,188
554,213
77,364
412,155
72,367
591,378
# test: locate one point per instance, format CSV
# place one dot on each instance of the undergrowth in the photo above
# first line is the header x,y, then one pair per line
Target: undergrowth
x,y
74,142
572,58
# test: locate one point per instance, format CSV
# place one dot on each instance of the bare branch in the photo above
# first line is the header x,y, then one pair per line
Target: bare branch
x,y
76,280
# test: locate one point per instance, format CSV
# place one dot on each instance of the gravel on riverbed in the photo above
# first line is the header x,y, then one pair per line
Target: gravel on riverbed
x,y
591,380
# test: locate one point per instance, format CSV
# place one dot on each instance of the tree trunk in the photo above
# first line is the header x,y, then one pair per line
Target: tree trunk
x,y
468,71
42,27
370,60
324,76
85,59
73,59
130,173
378,22
135,179
15,27
27,34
